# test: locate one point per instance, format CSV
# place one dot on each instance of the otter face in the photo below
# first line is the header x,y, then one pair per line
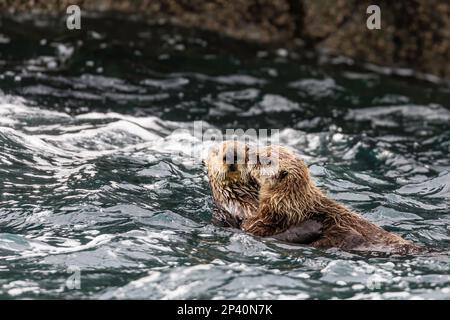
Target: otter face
x,y
226,163
286,192
279,168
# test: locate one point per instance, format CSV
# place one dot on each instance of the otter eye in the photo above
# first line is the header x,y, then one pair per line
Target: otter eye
x,y
283,174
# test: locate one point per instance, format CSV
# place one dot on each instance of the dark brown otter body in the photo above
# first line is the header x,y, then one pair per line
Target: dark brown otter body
x,y
288,196
235,193
349,231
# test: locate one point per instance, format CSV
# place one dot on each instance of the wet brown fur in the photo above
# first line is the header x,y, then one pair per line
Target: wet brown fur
x,y
235,193
288,196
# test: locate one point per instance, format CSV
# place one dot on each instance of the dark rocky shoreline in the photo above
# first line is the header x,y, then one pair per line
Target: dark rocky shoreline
x,y
414,33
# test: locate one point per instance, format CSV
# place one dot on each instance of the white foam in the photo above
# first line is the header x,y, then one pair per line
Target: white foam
x,y
37,248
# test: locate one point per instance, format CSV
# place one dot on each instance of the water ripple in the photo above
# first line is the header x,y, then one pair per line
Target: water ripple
x,y
100,168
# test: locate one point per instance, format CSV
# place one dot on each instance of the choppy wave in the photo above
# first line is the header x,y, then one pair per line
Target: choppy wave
x,y
102,173
107,191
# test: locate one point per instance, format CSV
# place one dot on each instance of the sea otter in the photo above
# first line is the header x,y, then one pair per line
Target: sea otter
x,y
235,193
288,196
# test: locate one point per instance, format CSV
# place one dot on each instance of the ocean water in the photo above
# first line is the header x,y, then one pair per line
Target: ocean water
x,y
102,190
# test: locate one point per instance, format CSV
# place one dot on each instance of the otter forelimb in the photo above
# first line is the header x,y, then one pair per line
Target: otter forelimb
x,y
223,218
304,233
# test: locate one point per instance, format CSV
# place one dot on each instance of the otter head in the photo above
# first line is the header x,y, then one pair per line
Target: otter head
x,y
234,192
227,163
286,189
277,167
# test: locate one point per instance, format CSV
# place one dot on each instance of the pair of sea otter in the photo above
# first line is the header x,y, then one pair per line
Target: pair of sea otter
x,y
267,191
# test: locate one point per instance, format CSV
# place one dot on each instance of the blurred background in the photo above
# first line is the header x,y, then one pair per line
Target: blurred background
x,y
414,34
100,196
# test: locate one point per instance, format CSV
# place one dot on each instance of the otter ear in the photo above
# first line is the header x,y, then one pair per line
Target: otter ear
x,y
282,175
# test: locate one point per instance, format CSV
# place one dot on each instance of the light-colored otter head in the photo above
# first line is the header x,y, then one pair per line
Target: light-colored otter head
x,y
227,163
286,188
234,192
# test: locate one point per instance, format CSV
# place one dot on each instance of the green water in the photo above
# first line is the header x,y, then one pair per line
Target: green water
x,y
98,186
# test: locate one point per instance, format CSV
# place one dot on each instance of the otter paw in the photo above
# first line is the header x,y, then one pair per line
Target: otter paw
x,y
222,218
304,233
258,228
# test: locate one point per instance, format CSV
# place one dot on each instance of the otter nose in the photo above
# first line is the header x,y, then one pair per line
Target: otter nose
x,y
228,157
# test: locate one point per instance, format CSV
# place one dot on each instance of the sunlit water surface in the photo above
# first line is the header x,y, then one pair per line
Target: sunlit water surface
x,y
97,181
